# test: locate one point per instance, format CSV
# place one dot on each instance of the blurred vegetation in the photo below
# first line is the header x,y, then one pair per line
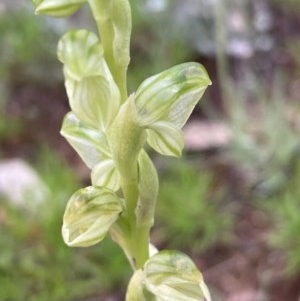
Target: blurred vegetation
x,y
265,141
157,41
27,48
283,209
191,210
291,4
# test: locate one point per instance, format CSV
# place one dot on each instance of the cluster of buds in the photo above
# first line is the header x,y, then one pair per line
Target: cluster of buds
x,y
111,131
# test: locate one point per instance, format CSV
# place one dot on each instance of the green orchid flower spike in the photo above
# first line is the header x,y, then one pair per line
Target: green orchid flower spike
x,y
110,130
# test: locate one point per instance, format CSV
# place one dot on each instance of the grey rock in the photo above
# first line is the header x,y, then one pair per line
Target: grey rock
x,y
21,184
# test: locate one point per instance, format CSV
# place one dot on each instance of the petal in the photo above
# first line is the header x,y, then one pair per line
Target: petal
x,y
105,174
172,276
57,8
172,94
91,145
89,214
93,94
166,139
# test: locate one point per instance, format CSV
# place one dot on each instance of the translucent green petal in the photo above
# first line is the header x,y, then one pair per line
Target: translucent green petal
x,y
91,145
165,138
105,174
172,276
93,94
90,101
82,54
172,94
89,214
57,8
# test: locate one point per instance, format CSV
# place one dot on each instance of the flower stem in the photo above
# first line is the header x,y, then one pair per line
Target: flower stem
x,y
113,19
139,234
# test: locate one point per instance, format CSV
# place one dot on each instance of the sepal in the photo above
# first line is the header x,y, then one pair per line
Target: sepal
x,y
89,214
90,144
165,138
57,8
105,174
172,94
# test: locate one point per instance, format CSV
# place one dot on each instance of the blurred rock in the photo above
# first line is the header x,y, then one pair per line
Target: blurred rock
x,y
247,295
199,135
247,25
20,184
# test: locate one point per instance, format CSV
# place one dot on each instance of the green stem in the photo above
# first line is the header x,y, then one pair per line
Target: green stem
x,y
140,198
130,192
126,139
139,234
113,19
140,242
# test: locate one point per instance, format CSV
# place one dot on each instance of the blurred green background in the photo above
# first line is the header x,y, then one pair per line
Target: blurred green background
x,y
232,202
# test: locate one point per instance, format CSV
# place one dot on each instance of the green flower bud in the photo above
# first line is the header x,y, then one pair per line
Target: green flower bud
x,y
172,94
57,8
92,146
90,213
92,92
172,276
165,101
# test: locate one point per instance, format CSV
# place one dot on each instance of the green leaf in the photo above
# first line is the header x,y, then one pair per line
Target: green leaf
x,y
57,8
148,191
165,138
105,174
89,214
171,95
172,276
90,144
93,94
126,138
